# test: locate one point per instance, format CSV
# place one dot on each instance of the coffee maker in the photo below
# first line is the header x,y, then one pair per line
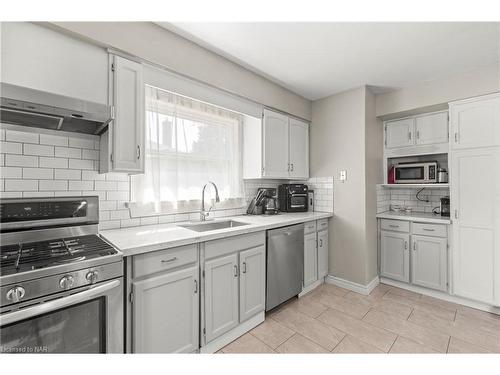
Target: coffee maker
x,y
445,206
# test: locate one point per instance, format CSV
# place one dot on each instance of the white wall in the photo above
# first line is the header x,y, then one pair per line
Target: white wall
x,y
338,141
153,43
441,91
43,59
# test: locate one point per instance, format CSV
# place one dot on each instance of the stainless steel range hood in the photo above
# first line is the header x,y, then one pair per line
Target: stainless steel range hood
x,y
40,109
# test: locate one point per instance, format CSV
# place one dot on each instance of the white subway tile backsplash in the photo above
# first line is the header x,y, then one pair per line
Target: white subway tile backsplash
x,y
90,154
2,135
100,194
152,220
123,186
2,159
39,150
11,172
107,205
54,140
112,224
93,175
53,185
82,143
81,185
11,194
38,173
117,195
116,176
67,174
68,152
21,161
70,193
24,137
11,147
53,162
37,194
81,164
106,185
21,185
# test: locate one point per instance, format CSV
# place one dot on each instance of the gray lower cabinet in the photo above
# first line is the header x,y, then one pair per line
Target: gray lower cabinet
x,y
429,261
166,312
310,259
322,253
252,282
221,295
395,255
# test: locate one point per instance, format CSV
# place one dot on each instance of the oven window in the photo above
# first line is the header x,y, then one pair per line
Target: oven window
x,y
76,329
298,201
413,173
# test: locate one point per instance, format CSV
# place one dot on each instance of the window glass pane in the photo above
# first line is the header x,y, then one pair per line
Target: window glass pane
x,y
188,143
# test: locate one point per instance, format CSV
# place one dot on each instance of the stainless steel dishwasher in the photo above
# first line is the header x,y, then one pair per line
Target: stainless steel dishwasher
x,y
285,264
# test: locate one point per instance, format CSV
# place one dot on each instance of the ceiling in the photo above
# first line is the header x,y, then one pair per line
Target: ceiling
x,y
316,60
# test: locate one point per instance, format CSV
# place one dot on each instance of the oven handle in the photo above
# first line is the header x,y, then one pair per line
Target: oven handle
x,y
57,304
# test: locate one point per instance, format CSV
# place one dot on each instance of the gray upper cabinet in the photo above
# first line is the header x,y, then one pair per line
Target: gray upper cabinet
x,y
166,312
429,262
252,282
276,144
399,133
123,144
221,295
299,149
431,129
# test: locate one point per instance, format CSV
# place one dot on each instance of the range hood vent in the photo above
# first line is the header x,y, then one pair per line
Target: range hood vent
x,y
40,109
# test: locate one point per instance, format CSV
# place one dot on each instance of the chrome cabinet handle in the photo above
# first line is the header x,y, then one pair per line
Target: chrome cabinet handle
x,y
393,226
456,214
320,242
414,246
428,229
138,152
406,245
409,136
288,167
244,267
169,260
456,137
418,134
235,271
292,167
195,286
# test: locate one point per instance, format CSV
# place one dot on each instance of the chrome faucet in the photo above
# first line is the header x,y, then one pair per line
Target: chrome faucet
x,y
203,213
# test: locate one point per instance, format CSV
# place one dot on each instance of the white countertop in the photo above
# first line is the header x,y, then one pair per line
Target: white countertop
x,y
143,239
422,217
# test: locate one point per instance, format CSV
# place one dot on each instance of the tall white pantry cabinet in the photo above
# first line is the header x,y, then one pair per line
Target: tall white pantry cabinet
x,y
475,198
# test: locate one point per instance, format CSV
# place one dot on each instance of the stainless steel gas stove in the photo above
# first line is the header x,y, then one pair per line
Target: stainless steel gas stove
x,y
61,284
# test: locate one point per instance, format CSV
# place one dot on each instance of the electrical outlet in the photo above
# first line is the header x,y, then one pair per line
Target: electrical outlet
x,y
343,176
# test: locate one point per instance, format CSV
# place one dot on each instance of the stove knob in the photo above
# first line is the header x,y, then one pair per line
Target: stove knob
x,y
66,282
16,294
92,276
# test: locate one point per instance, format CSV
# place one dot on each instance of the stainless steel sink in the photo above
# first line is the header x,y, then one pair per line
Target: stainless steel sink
x,y
213,225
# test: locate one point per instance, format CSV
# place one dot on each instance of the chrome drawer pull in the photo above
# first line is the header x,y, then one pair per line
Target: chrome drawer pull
x,y
195,286
393,226
244,267
428,229
169,260
235,271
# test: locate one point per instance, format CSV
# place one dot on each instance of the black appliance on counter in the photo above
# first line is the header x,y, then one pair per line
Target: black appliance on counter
x,y
445,206
293,198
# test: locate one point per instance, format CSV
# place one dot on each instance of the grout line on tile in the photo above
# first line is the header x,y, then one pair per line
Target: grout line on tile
x,y
455,317
411,313
448,346
397,336
343,338
366,313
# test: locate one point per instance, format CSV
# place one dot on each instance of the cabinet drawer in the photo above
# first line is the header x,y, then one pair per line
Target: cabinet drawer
x,y
395,225
434,230
322,224
161,260
229,245
309,227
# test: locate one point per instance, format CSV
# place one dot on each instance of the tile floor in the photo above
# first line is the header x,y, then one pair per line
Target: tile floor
x,y
389,320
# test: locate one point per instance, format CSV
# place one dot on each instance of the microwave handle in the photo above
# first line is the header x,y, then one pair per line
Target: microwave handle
x,y
57,304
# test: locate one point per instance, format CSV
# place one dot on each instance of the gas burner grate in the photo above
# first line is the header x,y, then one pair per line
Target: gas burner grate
x,y
34,255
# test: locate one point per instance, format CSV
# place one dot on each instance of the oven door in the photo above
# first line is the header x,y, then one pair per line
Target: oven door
x,y
89,321
297,202
410,174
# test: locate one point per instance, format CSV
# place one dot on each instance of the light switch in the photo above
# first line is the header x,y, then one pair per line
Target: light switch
x,y
343,176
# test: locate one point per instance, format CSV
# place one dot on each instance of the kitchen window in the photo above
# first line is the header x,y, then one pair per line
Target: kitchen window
x,y
188,143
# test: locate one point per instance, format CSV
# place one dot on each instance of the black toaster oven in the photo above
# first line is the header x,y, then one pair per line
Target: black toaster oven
x,y
293,198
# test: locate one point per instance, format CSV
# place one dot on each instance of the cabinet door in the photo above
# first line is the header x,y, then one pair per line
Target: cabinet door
x,y
252,282
310,259
428,261
128,126
322,253
399,133
394,254
299,149
275,141
475,204
221,295
166,313
475,124
431,129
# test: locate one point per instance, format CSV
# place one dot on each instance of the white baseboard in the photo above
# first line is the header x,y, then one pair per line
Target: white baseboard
x,y
232,335
311,287
442,295
355,287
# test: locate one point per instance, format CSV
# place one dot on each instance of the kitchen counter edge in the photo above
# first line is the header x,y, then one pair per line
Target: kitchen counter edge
x,y
414,216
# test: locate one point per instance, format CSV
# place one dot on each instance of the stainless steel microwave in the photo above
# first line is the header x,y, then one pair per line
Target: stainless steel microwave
x,y
416,173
